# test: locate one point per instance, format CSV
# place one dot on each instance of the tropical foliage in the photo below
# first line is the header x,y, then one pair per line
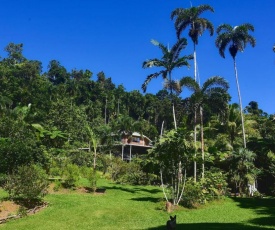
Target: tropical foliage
x,y
67,124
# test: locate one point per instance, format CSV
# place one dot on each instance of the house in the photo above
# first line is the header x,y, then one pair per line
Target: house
x,y
134,144
128,145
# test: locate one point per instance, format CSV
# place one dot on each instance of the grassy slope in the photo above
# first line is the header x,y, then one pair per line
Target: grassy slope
x,y
134,207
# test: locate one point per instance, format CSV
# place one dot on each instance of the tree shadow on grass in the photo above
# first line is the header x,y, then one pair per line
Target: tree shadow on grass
x,y
133,190
212,226
146,199
262,206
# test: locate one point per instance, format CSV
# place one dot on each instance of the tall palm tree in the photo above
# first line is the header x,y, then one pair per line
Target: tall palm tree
x,y
211,91
236,39
191,17
169,61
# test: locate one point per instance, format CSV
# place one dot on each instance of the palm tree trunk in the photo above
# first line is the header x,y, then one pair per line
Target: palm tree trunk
x,y
106,110
202,140
173,106
195,63
195,116
195,144
174,116
240,101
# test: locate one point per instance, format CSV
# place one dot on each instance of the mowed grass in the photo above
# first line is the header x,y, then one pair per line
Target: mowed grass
x,y
139,207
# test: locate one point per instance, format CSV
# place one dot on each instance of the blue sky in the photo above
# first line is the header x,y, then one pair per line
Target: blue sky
x,y
114,36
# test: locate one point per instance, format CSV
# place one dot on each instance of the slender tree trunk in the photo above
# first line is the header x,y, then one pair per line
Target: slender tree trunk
x,y
174,116
161,131
195,116
202,140
195,63
195,144
95,155
240,102
162,185
106,111
173,106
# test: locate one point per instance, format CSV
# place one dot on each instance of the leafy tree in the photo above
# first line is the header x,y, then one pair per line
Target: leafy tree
x,y
18,144
243,170
173,153
136,104
236,39
169,61
57,73
15,55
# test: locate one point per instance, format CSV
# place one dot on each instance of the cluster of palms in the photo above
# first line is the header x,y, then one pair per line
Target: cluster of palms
x,y
234,38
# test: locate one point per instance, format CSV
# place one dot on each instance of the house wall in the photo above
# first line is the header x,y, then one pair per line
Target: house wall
x,y
135,141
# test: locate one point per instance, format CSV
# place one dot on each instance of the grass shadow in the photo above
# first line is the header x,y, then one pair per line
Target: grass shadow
x,y
146,199
262,206
132,190
212,226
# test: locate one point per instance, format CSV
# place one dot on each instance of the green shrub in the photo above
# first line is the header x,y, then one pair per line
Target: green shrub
x,y
84,171
133,174
29,182
214,184
117,168
57,186
193,194
71,175
92,177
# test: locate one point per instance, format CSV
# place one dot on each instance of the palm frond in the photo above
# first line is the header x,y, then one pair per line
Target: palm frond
x,y
247,27
226,28
236,38
152,63
178,47
149,78
190,84
190,17
176,13
183,61
250,39
163,48
222,41
203,8
214,82
173,85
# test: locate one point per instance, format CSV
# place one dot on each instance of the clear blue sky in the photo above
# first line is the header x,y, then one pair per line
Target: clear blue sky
x,y
114,36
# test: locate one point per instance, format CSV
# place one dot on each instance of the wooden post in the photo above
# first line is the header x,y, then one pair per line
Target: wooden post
x,y
130,153
122,152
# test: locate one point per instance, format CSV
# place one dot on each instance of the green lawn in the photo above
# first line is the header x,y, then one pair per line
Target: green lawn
x,y
136,207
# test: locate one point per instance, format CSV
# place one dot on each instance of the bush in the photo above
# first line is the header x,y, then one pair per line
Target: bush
x,y
214,184
29,182
92,177
71,175
133,174
193,194
117,168
57,186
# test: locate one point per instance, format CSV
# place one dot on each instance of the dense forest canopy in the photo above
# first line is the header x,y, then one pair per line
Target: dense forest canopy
x,y
43,113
